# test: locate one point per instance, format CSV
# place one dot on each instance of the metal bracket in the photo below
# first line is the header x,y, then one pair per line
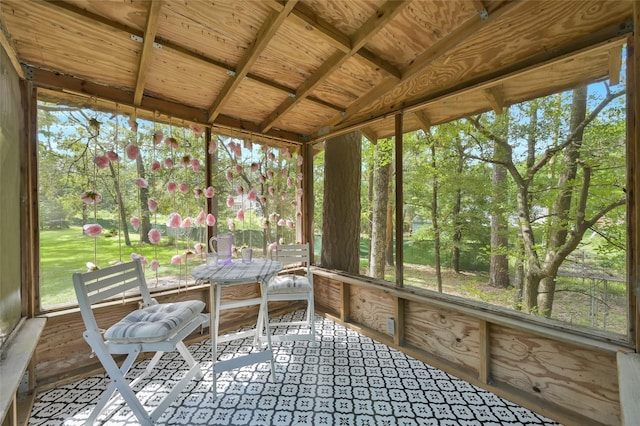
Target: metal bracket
x,y
231,73
140,40
484,14
28,71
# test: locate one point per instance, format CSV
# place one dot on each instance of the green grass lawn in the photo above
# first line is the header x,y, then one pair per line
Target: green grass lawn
x,y
63,252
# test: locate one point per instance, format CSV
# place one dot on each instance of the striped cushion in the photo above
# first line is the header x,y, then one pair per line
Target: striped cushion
x,y
154,323
288,284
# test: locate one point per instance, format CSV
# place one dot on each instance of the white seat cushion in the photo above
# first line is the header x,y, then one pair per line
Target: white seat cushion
x,y
154,323
288,284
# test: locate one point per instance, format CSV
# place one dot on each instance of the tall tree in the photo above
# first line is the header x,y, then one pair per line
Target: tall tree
x,y
382,173
341,203
499,263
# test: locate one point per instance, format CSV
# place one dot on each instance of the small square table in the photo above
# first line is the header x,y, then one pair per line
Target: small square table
x,y
237,272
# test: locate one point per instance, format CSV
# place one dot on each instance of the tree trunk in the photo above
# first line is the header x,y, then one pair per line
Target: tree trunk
x,y
390,253
380,183
341,204
499,266
434,218
145,221
457,207
560,214
121,210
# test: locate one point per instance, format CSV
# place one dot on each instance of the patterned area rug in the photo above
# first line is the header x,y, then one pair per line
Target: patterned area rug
x,y
344,379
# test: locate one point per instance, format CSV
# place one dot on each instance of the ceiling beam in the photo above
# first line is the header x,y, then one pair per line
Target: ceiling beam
x,y
6,44
150,29
615,64
495,98
370,134
369,29
426,58
269,28
92,18
424,120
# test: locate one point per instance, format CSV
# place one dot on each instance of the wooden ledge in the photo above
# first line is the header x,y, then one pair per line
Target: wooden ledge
x,y
14,363
628,379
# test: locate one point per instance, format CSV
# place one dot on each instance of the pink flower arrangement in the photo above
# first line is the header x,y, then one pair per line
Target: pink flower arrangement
x,y
269,174
213,146
263,200
195,165
281,222
254,167
184,188
155,265
211,220
186,223
232,225
154,236
171,143
273,246
135,222
272,191
94,124
176,259
143,259
132,151
197,129
199,247
289,182
92,267
171,187
252,194
240,215
238,169
90,197
273,217
197,192
240,189
299,160
229,176
153,205
156,166
209,192
189,254
141,182
175,220
200,218
168,163
271,156
102,161
92,229
284,172
133,124
230,201
262,179
289,224
113,156
265,222
157,137
185,160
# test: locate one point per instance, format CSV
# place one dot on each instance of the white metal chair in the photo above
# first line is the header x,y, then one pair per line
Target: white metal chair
x,y
154,327
291,286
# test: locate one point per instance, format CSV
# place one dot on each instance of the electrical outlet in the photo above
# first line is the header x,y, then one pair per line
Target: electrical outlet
x,y
391,326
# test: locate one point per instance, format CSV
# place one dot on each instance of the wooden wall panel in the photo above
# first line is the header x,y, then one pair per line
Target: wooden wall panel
x,y
445,334
579,379
326,293
371,308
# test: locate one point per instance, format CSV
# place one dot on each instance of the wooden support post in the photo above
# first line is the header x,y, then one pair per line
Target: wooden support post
x,y
398,337
484,355
399,204
633,181
345,298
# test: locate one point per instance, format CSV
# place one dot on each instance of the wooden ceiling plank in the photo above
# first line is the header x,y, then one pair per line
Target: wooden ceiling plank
x,y
495,98
11,52
615,65
369,29
268,30
370,134
151,27
437,50
424,120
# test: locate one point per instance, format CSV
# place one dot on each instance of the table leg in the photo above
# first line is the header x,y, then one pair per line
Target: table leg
x,y
215,292
264,314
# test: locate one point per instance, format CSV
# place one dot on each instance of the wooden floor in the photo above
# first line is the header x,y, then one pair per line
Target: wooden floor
x,y
343,379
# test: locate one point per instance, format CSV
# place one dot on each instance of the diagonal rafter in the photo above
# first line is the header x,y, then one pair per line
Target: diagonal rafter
x,y
424,120
267,32
496,10
369,29
150,29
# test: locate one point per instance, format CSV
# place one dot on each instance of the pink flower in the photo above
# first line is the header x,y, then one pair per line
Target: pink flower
x,y
238,169
229,176
283,195
143,259
101,161
271,156
272,246
240,189
289,224
198,247
168,163
273,217
185,160
263,200
92,267
265,223
197,192
209,192
94,124
134,125
155,265
240,215
153,205
254,167
157,137
213,146
289,182
262,179
211,220
284,172
175,220
171,187
252,194
135,222
299,178
195,165
141,182
272,191
171,142
92,229
176,259
269,174
132,151
90,197
113,156
154,236
184,188
200,218
156,166
188,254
232,225
197,129
186,223
230,201
281,222
299,160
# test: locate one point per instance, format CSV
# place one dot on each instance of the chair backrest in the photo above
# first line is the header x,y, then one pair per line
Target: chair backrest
x,y
292,254
96,286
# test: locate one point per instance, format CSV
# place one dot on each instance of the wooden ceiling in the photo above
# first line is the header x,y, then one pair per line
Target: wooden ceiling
x,y
303,70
